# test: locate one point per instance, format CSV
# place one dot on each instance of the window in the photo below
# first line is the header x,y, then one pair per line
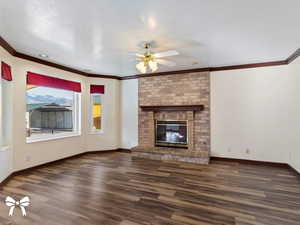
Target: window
x,y
51,112
96,109
5,106
96,112
5,114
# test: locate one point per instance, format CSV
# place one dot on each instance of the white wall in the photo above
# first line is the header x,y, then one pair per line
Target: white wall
x,y
129,113
257,109
250,110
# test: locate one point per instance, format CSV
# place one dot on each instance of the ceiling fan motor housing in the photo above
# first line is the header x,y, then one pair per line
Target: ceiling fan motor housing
x,y
147,58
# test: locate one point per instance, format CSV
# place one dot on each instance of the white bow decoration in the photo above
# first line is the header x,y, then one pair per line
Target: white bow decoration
x,y
9,201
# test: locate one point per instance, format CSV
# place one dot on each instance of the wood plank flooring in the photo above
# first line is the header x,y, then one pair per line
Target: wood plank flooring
x,y
116,189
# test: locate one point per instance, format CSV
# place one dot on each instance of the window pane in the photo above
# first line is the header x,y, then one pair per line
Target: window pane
x,y
49,111
96,111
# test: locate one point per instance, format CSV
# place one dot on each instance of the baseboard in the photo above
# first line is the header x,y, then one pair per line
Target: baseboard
x,y
249,161
5,180
256,162
124,150
296,171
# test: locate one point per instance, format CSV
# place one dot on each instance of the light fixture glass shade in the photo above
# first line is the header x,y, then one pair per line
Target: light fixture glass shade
x,y
141,67
153,66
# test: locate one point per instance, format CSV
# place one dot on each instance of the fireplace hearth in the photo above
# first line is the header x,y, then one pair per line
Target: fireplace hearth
x,y
171,134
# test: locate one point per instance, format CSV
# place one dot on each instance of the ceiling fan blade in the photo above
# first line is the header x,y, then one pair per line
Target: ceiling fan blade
x,y
139,55
166,54
165,62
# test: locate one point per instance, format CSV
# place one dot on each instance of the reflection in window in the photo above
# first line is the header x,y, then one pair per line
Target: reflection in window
x,y
96,112
50,111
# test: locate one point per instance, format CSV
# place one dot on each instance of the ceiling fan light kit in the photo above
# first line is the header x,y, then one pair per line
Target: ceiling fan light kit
x,y
148,59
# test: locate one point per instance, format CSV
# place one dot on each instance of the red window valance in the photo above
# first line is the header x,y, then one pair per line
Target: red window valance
x,y
97,89
53,82
6,71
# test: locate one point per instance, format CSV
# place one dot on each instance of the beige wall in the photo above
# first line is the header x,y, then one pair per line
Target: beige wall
x,y
26,155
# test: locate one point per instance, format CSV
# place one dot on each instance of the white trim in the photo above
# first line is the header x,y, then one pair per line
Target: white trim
x,y
96,131
76,116
77,112
51,137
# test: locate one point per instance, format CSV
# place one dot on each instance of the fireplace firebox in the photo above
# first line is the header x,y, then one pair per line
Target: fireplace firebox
x,y
171,134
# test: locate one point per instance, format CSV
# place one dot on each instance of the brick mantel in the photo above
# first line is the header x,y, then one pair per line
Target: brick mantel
x,y
172,107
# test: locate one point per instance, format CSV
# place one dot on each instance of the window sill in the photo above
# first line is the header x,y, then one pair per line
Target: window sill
x,y
52,137
96,132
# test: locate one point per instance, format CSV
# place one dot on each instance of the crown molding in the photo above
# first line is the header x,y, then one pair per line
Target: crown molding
x,y
248,66
104,76
294,56
207,69
7,47
47,63
287,61
61,67
13,52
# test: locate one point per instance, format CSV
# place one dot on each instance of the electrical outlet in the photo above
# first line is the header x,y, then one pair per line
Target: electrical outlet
x,y
28,158
247,151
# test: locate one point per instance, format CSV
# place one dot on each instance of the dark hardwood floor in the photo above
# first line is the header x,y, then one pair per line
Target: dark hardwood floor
x,y
115,189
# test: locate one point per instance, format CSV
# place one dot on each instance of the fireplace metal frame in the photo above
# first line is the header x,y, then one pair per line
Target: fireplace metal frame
x,y
175,144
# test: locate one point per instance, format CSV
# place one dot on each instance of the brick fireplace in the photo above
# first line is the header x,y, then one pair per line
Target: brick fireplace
x,y
174,117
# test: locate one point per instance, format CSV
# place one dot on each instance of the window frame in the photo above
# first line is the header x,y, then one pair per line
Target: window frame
x,y
5,141
76,112
91,122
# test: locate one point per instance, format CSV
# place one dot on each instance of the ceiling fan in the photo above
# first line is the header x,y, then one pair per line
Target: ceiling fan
x,y
150,60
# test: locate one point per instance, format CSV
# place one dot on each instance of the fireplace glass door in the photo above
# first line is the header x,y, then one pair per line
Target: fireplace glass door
x,y
171,134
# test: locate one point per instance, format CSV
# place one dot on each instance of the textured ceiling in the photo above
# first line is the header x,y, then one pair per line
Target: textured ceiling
x,y
103,35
